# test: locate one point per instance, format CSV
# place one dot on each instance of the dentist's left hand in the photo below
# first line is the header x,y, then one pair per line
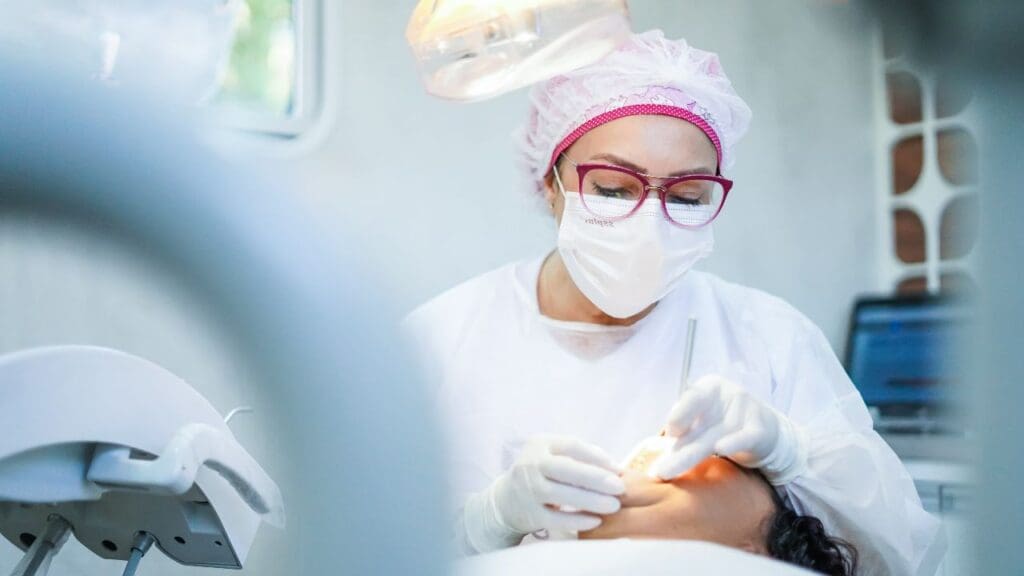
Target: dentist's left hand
x,y
717,416
557,483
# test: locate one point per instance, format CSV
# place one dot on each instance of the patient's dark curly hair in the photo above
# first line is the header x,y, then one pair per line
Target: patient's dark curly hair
x,y
802,540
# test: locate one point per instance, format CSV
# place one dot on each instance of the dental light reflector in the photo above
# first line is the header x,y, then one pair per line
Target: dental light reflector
x,y
477,49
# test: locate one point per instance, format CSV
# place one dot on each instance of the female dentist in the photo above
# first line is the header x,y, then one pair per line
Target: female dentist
x,y
587,342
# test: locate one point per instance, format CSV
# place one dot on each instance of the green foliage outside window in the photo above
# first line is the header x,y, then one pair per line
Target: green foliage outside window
x,y
261,72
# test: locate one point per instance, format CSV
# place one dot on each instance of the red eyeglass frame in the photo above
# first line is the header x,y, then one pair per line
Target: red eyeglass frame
x,y
584,168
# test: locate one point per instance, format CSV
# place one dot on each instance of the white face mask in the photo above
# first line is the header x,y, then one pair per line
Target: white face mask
x,y
624,266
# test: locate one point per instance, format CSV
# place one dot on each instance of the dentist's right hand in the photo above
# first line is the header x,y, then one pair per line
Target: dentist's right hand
x,y
556,484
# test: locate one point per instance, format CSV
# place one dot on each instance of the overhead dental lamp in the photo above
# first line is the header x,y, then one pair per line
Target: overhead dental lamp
x,y
477,49
123,454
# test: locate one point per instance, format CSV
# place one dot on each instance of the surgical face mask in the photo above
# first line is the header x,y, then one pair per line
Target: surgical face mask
x,y
624,266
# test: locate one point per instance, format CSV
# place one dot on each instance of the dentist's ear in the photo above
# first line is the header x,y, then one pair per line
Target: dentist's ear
x,y
550,191
553,193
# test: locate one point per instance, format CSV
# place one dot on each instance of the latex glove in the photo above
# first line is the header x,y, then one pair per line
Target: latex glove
x,y
557,484
718,416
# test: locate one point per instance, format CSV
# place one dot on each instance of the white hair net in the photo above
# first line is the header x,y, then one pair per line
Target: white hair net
x,y
648,74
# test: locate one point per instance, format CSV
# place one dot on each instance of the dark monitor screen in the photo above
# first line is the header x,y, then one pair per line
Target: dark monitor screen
x,y
901,352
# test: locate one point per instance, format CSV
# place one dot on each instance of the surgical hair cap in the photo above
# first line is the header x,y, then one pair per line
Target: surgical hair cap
x,y
646,75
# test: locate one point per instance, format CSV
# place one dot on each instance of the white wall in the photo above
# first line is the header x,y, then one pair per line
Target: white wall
x,y
433,187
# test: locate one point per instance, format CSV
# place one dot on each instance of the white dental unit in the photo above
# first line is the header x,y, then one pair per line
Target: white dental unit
x,y
123,454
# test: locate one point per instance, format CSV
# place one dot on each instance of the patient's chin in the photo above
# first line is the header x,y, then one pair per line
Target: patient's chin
x,y
644,514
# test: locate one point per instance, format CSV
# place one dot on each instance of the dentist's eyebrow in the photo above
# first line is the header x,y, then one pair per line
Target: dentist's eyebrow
x,y
619,161
693,172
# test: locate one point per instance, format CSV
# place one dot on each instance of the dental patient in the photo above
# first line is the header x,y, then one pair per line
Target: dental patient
x,y
718,501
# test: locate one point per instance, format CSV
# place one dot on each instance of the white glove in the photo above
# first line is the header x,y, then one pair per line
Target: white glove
x,y
718,416
557,484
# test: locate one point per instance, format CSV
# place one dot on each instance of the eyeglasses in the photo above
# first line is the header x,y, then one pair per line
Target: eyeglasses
x,y
615,193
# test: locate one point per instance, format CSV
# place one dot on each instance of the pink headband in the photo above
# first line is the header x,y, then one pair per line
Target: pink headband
x,y
637,110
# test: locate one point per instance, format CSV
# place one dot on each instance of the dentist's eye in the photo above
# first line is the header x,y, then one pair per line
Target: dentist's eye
x,y
693,193
604,183
611,192
683,200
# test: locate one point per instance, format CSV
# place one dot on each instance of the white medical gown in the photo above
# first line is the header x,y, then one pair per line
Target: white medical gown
x,y
504,373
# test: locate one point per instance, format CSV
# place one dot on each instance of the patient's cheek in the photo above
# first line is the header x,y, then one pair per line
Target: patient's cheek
x,y
716,501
